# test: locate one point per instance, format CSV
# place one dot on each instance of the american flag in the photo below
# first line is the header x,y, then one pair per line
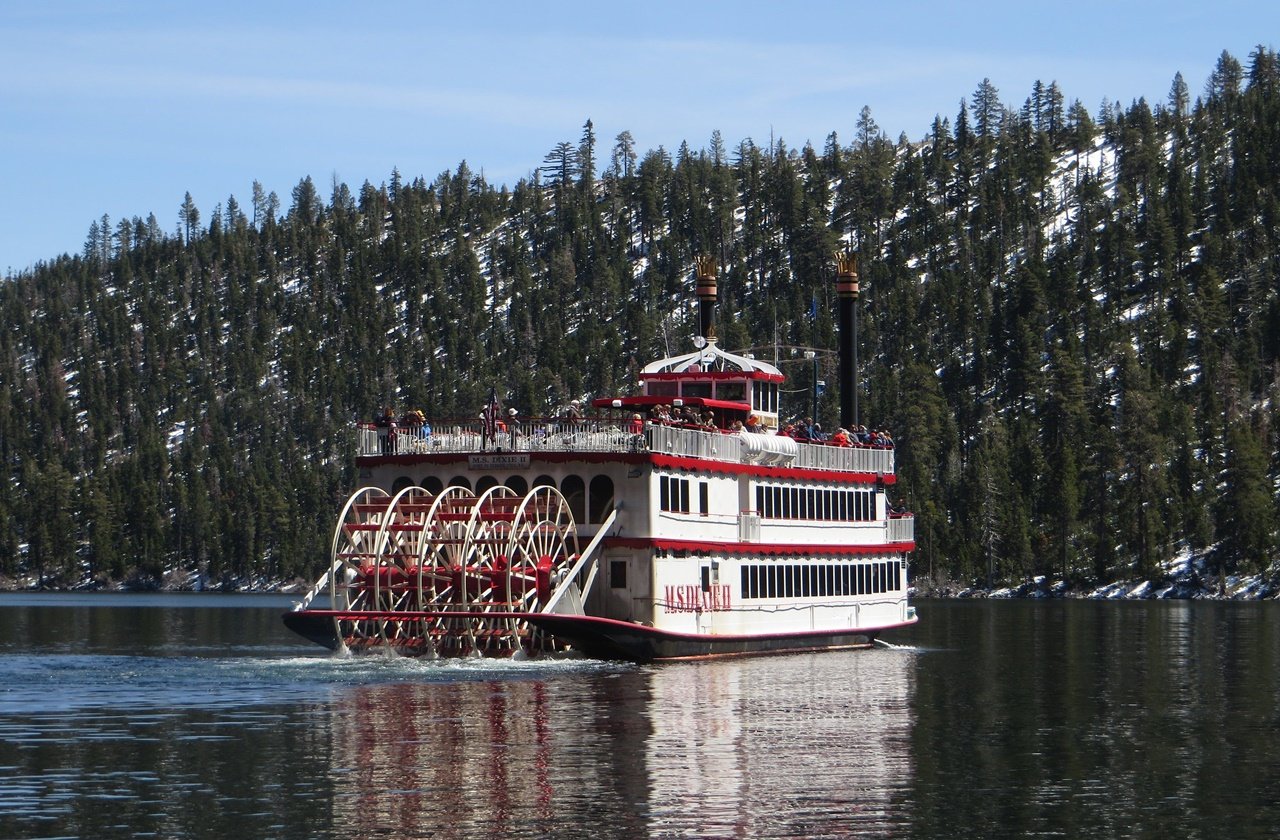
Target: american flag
x,y
490,416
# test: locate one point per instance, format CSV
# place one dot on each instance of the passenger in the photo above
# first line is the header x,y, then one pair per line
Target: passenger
x,y
384,424
753,423
573,414
803,431
737,426
636,428
840,438
412,422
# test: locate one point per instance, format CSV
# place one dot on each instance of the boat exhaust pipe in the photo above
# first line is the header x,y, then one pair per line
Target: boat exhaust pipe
x,y
846,301
706,291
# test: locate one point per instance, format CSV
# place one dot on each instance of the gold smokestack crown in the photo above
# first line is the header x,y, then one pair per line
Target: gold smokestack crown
x,y
705,270
846,274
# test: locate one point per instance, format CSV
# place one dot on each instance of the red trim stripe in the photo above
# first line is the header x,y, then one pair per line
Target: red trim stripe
x,y
713,547
761,471
658,460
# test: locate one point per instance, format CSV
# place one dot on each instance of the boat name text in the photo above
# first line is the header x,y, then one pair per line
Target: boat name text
x,y
692,598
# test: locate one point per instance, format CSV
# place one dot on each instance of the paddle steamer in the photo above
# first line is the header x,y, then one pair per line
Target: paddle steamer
x,y
615,534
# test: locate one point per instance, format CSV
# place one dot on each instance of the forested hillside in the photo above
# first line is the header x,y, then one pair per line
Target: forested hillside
x,y
1070,321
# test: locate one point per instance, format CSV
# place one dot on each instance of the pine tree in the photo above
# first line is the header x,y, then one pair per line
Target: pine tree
x,y
1248,517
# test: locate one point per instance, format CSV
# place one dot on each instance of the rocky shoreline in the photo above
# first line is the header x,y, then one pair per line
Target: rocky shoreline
x,y
1183,578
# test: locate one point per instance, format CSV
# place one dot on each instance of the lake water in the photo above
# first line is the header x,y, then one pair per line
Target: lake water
x,y
200,716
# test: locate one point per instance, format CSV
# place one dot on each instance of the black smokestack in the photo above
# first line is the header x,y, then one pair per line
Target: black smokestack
x,y
706,290
846,300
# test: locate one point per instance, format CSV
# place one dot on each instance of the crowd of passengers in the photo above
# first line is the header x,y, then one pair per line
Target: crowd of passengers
x,y
805,430
811,432
414,423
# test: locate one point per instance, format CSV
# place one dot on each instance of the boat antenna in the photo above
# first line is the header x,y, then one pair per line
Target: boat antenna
x,y
775,333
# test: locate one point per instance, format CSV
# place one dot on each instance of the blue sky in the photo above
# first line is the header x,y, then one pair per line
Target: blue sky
x,y
122,108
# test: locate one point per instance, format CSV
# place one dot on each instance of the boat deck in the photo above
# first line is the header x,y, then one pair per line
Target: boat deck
x,y
589,436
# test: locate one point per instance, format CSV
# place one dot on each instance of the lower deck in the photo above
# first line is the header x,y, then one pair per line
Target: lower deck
x,y
447,553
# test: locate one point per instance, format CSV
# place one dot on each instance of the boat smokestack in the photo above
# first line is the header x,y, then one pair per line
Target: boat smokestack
x,y
706,291
846,301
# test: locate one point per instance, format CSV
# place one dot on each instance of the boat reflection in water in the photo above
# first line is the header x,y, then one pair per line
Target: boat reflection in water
x,y
799,745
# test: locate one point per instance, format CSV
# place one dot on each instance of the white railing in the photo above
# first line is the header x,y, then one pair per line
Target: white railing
x,y
867,459
694,443
597,436
900,529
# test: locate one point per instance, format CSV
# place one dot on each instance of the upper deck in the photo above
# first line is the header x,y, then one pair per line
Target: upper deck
x,y
598,436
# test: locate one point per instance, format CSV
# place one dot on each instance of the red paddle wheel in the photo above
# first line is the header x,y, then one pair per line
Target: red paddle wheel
x,y
451,574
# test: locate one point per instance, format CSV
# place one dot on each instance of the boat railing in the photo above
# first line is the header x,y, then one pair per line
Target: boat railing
x,y
602,436
900,528
864,459
694,443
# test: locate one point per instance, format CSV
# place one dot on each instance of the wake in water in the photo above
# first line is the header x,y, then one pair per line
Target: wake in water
x,y
42,683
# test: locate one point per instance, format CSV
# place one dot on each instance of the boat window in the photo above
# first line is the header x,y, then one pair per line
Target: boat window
x,y
574,491
484,482
401,483
460,481
731,391
618,574
673,494
661,389
544,481
433,485
517,484
600,499
704,498
696,389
